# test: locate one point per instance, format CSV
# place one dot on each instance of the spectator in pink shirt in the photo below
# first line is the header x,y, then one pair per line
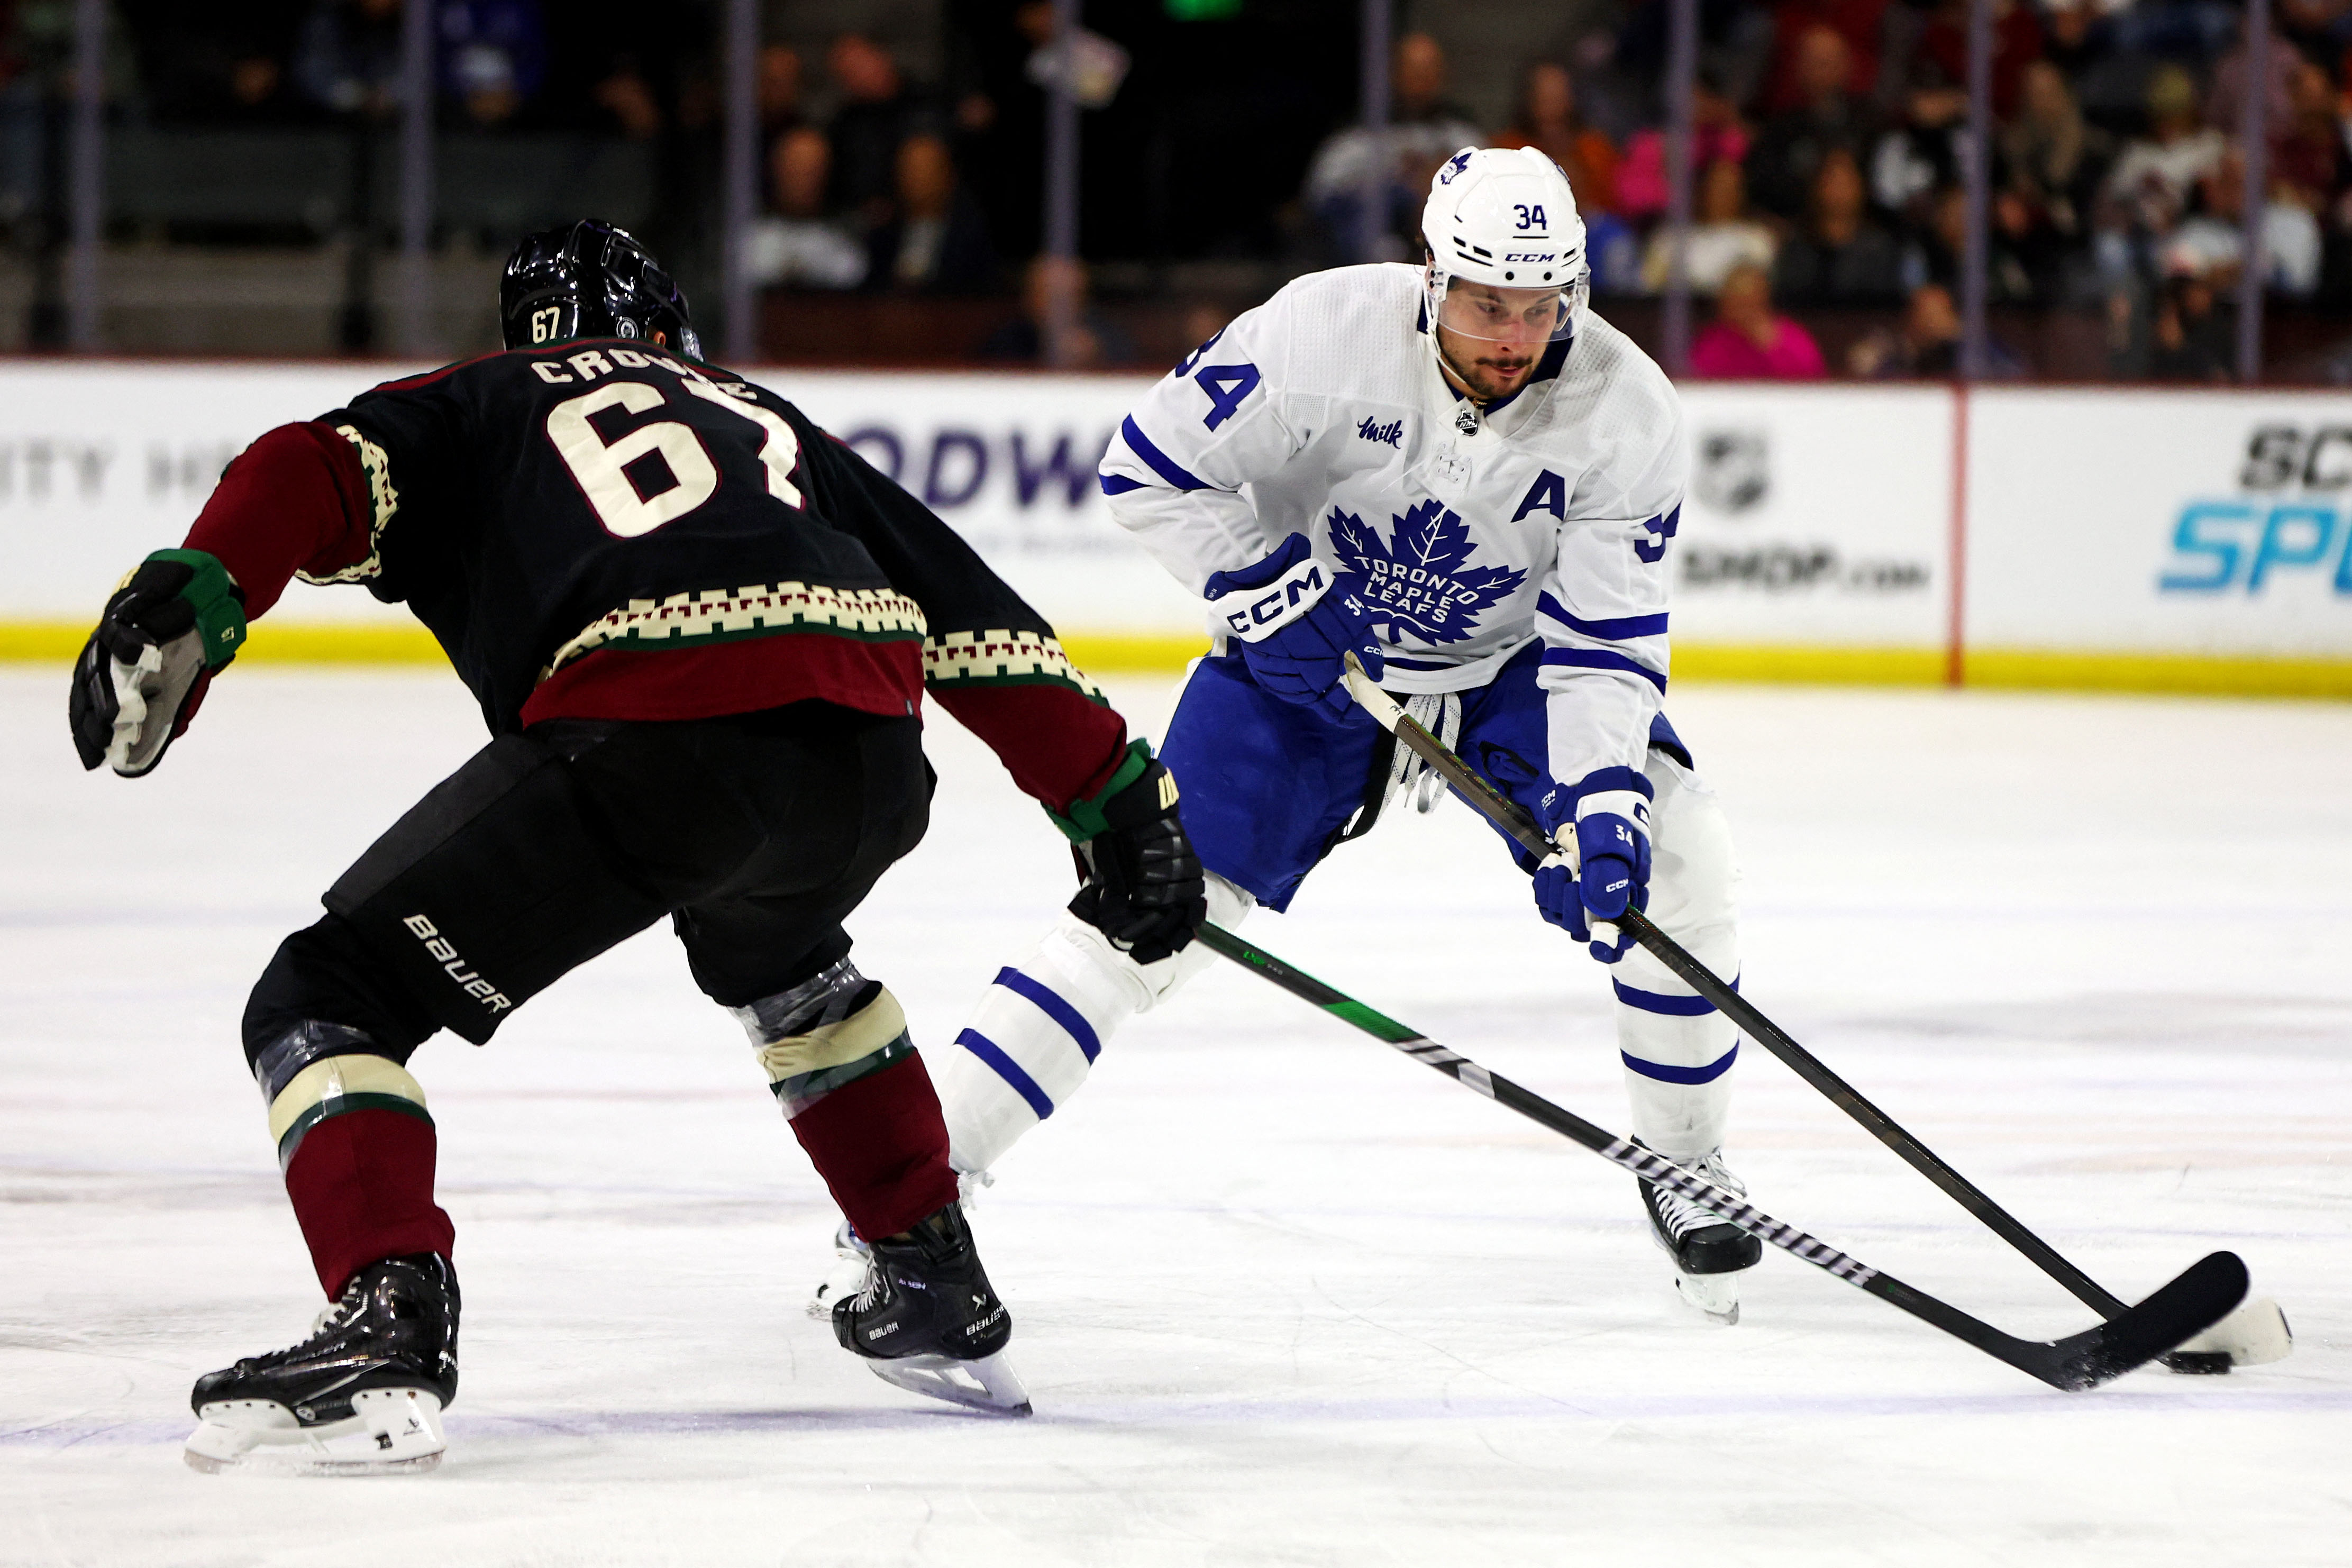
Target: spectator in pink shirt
x,y
1716,134
1749,341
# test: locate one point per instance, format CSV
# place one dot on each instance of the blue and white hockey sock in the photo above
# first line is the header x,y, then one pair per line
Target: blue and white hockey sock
x,y
1678,1052
1039,1026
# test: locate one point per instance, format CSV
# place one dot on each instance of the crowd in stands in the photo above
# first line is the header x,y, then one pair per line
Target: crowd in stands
x,y
1830,138
1828,156
872,197
867,176
292,62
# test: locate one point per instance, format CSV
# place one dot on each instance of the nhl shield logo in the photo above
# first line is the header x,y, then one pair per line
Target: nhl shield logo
x,y
1734,470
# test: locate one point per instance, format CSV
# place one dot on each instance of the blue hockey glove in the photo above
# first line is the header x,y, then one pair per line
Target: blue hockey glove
x,y
1612,852
1295,618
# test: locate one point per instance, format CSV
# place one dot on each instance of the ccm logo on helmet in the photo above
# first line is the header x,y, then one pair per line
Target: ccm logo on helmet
x,y
1545,258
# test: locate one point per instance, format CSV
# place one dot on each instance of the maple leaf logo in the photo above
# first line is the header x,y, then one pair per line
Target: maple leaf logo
x,y
1418,580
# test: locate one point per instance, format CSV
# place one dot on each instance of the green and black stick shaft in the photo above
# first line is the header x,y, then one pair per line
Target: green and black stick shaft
x,y
1514,820
2189,1305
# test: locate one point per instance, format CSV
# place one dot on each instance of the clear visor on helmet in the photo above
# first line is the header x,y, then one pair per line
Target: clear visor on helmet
x,y
1501,317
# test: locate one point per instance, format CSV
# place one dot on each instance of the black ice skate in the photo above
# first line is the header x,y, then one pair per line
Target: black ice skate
x,y
1709,1252
363,1395
926,1318
847,1277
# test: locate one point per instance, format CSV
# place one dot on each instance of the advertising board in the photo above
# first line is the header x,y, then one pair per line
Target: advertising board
x,y
1816,531
1815,516
2112,526
2112,537
101,463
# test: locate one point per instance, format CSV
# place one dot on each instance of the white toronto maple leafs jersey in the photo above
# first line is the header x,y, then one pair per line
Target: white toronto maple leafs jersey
x,y
1322,411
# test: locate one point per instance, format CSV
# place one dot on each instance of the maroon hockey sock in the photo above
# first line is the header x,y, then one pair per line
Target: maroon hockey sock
x,y
362,1189
881,1145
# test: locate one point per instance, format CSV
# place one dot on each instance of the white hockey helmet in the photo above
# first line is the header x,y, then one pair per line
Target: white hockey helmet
x,y
1503,218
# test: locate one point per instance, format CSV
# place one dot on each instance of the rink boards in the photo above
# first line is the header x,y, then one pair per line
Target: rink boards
x,y
1908,534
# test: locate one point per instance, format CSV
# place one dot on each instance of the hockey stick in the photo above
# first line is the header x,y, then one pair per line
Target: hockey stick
x,y
2260,1336
2199,1298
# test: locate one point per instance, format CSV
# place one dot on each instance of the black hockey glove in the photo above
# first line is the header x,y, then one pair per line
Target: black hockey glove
x,y
1143,885
141,675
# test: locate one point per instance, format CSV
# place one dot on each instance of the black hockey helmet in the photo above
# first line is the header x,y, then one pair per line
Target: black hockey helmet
x,y
590,280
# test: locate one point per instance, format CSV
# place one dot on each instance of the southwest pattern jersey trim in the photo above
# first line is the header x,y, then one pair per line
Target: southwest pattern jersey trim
x,y
868,615
1004,658
383,501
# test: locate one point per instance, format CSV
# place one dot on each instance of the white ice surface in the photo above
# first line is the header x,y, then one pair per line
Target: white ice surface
x,y
1283,1297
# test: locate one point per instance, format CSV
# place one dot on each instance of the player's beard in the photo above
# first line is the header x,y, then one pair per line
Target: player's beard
x,y
1486,369
1500,376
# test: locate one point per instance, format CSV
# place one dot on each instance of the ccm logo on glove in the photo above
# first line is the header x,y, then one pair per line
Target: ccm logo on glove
x,y
1288,597
1294,630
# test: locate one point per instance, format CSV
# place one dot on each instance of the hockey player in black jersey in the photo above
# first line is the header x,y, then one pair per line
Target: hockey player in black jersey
x,y
700,631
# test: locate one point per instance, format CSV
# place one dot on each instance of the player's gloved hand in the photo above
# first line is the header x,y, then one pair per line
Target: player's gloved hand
x,y
1612,875
141,675
1295,618
1144,887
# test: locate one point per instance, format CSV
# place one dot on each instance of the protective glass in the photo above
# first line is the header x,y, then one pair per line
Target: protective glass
x,y
1506,318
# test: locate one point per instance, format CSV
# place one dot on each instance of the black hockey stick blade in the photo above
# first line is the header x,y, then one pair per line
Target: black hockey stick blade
x,y
2208,1292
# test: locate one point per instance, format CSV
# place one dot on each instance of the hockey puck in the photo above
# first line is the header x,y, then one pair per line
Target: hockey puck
x,y
2201,1363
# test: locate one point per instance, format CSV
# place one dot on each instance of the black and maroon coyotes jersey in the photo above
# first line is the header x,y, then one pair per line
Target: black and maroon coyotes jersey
x,y
601,529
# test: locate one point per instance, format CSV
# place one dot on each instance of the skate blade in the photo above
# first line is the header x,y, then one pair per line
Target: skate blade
x,y
1715,1297
989,1384
2254,1335
390,1432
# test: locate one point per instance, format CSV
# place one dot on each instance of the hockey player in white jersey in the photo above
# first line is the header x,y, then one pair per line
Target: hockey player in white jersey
x,y
1462,474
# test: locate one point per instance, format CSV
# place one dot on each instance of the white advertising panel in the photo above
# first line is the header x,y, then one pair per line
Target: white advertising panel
x,y
2106,522
2161,522
1816,515
101,463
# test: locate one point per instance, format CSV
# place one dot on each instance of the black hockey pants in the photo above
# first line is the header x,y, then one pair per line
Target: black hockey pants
x,y
757,833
